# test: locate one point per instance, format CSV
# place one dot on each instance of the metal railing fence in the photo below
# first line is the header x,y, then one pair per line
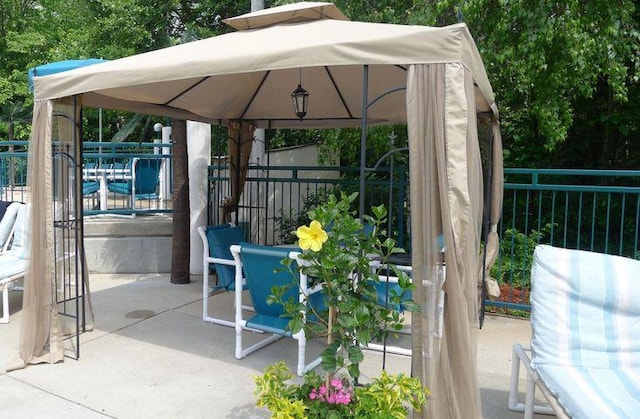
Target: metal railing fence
x,y
13,170
595,210
584,209
103,163
276,198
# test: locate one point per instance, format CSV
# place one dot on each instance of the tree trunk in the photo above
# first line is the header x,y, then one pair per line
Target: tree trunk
x,y
180,242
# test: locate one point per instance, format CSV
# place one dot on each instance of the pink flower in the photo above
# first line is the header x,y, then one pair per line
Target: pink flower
x,y
336,383
313,395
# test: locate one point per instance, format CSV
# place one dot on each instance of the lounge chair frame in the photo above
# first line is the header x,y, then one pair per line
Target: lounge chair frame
x,y
241,323
207,289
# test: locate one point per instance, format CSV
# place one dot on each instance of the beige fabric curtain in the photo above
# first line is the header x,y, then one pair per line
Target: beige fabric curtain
x,y
239,143
446,198
493,240
40,337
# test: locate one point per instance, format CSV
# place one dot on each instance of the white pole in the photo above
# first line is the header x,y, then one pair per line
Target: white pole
x,y
100,136
166,167
199,156
258,146
257,149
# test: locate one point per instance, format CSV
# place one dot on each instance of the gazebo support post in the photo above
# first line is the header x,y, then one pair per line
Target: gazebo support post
x,y
363,136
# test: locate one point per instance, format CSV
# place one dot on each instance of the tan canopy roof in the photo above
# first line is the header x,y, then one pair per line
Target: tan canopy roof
x,y
289,13
250,74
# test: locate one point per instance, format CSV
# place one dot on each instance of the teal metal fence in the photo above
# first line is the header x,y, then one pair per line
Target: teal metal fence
x,y
583,209
276,198
13,170
108,172
131,178
595,210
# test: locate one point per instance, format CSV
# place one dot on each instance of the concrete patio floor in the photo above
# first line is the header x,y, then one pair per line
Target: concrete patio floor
x,y
151,356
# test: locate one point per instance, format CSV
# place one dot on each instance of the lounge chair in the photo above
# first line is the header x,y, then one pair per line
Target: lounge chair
x,y
585,345
216,241
13,262
7,223
258,263
143,184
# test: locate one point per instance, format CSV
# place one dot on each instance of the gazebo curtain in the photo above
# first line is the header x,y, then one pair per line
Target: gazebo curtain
x,y
446,199
239,146
40,331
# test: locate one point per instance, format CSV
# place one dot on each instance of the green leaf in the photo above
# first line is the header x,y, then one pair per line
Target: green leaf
x,y
355,354
296,325
329,362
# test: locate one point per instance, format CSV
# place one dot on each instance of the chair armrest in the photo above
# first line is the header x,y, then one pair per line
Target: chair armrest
x,y
221,261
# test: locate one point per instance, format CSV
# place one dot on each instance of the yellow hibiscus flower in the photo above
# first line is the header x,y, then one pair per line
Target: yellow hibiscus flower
x,y
311,237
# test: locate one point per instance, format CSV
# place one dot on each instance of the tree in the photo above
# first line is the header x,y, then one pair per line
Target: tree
x,y
554,65
180,243
12,113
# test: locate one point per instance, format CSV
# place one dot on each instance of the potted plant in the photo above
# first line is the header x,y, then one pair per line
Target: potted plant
x,y
337,252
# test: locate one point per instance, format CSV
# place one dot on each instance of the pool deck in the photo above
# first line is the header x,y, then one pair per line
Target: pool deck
x,y
151,356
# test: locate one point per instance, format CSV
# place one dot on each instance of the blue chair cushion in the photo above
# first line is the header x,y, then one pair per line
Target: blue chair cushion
x,y
90,187
220,238
385,290
263,268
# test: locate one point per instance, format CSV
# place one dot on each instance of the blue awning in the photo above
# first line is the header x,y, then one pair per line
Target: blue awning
x,y
58,67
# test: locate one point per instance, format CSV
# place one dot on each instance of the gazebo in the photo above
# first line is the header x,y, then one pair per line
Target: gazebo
x,y
356,74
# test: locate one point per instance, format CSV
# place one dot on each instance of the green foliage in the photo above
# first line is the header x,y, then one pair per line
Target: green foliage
x,y
38,32
388,396
551,65
516,256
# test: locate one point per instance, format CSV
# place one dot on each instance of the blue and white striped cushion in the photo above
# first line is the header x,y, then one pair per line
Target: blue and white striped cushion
x,y
586,330
7,222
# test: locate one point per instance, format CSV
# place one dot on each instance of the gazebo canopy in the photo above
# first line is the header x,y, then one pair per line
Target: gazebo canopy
x,y
356,74
249,74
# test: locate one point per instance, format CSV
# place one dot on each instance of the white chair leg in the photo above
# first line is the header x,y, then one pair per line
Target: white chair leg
x,y
205,291
528,407
389,349
302,347
5,305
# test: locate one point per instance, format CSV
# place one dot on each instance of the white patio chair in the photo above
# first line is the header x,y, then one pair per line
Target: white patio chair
x,y
585,346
